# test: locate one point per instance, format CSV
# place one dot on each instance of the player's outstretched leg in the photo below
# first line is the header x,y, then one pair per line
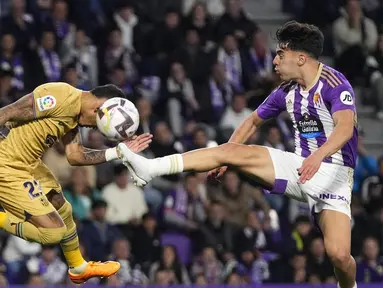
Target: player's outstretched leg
x,y
336,229
253,160
79,270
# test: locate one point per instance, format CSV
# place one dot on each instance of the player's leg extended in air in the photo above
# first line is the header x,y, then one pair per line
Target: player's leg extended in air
x,y
326,186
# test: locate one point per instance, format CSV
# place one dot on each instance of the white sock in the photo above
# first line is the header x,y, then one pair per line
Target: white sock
x,y
78,269
168,165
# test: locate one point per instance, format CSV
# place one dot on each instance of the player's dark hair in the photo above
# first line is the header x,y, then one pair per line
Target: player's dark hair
x,y
301,37
108,91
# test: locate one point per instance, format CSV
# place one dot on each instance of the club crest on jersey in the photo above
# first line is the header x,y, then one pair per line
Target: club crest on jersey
x,y
46,102
317,100
309,126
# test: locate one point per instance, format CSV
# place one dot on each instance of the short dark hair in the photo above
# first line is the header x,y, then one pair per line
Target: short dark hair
x,y
301,37
108,91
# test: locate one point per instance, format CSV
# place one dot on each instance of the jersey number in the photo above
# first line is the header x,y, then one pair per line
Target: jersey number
x,y
31,186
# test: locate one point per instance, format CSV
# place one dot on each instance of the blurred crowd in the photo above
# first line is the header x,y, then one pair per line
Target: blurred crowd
x,y
195,70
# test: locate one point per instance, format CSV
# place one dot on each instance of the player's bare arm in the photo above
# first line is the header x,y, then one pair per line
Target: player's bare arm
x,y
21,110
343,131
78,155
246,129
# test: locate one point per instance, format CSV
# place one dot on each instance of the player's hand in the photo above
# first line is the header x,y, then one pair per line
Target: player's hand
x,y
216,173
139,143
309,167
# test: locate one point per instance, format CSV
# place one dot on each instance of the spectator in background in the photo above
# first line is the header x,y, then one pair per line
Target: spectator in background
x,y
182,103
56,161
78,50
71,77
274,139
370,267
168,36
44,63
200,139
146,242
214,96
301,234
296,272
118,56
97,235
183,211
238,198
216,232
126,20
169,262
234,115
372,190
192,57
147,118
198,19
6,92
149,86
215,8
10,60
234,62
366,164
208,266
15,252
235,22
59,22
125,202
20,24
318,264
80,194
354,29
129,273
261,74
52,269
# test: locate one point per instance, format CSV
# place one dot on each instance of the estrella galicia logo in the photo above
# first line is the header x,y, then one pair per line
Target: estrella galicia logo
x,y
309,126
50,140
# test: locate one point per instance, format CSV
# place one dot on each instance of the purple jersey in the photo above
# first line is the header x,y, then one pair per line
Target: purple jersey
x,y
311,113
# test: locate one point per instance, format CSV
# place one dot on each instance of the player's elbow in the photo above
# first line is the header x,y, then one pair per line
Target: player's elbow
x,y
72,160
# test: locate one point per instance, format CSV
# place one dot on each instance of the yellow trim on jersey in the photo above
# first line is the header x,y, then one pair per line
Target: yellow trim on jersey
x,y
316,78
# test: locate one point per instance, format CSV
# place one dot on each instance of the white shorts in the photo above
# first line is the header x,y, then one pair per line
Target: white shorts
x,y
330,188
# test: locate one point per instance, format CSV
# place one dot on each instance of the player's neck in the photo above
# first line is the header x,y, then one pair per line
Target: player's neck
x,y
310,75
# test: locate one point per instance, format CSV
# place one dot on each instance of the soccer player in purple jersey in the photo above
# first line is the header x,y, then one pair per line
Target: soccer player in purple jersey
x,y
320,102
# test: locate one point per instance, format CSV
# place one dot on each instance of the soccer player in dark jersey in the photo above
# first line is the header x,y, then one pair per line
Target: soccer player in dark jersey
x,y
321,105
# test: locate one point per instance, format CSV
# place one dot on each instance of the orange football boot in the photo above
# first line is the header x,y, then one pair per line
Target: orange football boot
x,y
95,269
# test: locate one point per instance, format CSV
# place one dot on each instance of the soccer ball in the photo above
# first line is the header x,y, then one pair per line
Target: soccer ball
x,y
117,119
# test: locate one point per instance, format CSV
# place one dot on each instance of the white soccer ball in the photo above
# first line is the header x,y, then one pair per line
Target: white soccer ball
x,y
118,119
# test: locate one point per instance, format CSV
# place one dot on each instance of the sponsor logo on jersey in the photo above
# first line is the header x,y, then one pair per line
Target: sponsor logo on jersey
x,y
309,126
46,102
346,98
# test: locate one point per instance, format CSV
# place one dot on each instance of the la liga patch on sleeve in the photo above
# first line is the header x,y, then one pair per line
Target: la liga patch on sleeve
x,y
46,103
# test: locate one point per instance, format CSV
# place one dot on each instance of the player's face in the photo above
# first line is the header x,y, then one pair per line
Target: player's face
x,y
88,116
286,64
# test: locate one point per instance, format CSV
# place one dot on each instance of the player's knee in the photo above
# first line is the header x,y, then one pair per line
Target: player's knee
x,y
56,198
50,236
226,151
339,256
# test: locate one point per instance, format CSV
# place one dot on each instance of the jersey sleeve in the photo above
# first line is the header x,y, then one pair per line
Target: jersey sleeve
x,y
56,100
273,105
341,98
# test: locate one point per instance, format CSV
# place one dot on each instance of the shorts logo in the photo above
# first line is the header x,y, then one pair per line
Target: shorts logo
x,y
346,98
46,102
333,197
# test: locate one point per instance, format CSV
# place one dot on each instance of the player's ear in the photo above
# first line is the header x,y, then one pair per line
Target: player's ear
x,y
301,59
